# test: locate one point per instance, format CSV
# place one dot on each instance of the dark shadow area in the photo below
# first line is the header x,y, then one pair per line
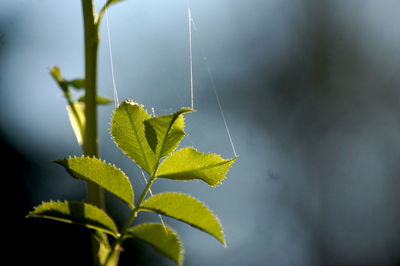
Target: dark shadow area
x,y
35,241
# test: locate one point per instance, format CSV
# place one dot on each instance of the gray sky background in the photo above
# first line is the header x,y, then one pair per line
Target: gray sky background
x,y
310,93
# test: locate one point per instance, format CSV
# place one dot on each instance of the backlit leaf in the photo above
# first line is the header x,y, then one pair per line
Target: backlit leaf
x,y
128,132
77,83
164,133
77,213
186,209
188,164
77,119
55,72
101,173
164,239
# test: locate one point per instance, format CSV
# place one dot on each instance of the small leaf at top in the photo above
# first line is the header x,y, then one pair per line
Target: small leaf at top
x,y
188,164
186,209
164,133
77,213
77,83
128,132
55,72
163,238
76,114
101,173
100,100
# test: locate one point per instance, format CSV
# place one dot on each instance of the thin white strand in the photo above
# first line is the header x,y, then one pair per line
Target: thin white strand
x,y
190,23
214,87
190,59
140,180
116,100
224,119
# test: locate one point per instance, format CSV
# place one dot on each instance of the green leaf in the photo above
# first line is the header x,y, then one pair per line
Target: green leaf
x,y
76,114
77,83
101,173
164,133
128,132
100,100
188,164
76,213
55,72
186,209
164,239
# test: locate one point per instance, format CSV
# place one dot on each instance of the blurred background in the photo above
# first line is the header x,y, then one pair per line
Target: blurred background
x,y
310,93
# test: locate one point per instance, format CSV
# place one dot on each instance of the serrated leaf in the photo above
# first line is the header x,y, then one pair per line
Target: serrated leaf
x,y
186,209
128,132
100,100
163,238
164,133
77,213
77,119
101,173
77,83
188,164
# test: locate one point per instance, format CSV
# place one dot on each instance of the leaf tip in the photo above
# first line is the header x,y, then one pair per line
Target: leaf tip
x,y
62,162
130,102
187,110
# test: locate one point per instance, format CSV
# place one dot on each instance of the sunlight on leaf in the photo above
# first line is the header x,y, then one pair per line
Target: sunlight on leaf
x,y
164,239
77,120
101,173
77,213
164,133
186,209
188,164
128,132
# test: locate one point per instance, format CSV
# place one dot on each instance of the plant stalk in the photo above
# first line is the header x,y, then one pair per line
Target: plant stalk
x,y
95,195
90,147
117,244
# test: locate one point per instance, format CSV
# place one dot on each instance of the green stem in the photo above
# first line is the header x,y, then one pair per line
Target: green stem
x,y
90,148
117,244
95,195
